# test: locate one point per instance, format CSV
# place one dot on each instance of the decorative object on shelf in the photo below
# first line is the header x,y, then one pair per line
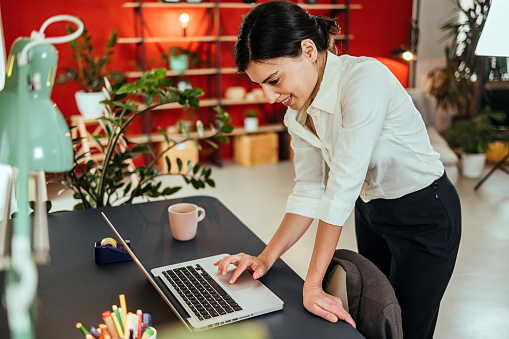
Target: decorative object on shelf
x,y
473,137
251,120
256,149
34,138
90,73
256,94
184,84
105,183
235,93
180,58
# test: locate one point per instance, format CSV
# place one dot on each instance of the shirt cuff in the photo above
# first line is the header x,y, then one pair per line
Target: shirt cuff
x,y
333,212
300,205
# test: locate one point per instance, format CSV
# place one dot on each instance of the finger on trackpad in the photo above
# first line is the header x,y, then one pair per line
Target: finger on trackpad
x,y
245,280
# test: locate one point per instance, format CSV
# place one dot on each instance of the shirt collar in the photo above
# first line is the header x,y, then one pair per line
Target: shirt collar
x,y
325,98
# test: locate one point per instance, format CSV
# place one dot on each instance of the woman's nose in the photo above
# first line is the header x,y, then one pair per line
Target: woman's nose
x,y
270,94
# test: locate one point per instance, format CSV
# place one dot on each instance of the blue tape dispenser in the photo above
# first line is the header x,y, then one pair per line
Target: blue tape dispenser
x,y
107,251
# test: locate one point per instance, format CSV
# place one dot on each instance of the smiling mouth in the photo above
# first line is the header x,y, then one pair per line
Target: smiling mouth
x,y
286,102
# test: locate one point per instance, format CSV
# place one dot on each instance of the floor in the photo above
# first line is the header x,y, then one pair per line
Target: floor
x,y
476,303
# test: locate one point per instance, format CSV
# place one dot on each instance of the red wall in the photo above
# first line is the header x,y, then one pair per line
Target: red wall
x,y
378,28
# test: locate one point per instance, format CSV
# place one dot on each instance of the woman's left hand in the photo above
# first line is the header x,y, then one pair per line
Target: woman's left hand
x,y
325,305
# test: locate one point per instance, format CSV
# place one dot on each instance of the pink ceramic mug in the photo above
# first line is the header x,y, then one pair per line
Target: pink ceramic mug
x,y
184,219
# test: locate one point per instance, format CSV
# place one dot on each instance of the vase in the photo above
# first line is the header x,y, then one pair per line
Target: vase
x,y
250,124
89,104
472,164
179,63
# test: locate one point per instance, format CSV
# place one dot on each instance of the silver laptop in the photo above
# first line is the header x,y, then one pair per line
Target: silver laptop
x,y
203,299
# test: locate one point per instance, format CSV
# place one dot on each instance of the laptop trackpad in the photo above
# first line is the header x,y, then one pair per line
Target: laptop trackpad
x,y
245,280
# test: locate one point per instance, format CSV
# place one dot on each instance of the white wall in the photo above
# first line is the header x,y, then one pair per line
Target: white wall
x,y
432,15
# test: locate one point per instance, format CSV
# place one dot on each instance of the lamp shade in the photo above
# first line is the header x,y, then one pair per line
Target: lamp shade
x,y
493,40
47,136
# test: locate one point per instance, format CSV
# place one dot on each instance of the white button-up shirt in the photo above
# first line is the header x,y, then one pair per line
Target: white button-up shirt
x,y
369,133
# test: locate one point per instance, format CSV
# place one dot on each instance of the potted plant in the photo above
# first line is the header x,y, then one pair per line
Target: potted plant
x,y
473,137
107,182
180,58
89,72
251,120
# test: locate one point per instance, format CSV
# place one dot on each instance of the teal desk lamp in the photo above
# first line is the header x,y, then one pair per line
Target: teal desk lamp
x,y
33,137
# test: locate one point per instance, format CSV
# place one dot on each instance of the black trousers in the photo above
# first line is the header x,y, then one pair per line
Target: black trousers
x,y
414,240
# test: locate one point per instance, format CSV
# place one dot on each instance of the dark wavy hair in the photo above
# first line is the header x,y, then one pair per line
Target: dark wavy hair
x,y
276,28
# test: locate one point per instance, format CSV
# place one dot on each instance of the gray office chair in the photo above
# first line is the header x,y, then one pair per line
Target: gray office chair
x,y
366,294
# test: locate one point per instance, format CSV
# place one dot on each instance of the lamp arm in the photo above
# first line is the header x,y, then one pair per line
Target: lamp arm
x,y
39,38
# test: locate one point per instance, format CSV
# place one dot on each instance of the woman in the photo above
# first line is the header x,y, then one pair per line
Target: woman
x,y
360,144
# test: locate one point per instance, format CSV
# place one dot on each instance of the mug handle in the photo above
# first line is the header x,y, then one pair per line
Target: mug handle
x,y
201,214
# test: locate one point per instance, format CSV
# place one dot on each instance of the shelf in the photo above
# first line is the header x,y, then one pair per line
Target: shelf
x,y
232,5
215,102
224,38
192,71
167,4
497,85
214,10
157,137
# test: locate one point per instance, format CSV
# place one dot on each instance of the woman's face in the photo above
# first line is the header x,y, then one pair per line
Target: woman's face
x,y
285,80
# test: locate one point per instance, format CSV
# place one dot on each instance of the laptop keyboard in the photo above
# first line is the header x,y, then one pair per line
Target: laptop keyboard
x,y
205,297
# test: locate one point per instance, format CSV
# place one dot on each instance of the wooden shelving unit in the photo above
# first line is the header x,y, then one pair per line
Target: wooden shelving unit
x,y
214,36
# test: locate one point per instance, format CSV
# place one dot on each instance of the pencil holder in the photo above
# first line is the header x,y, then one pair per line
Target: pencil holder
x,y
107,254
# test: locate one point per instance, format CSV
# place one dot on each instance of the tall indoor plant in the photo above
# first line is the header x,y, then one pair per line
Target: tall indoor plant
x,y
107,182
89,72
457,86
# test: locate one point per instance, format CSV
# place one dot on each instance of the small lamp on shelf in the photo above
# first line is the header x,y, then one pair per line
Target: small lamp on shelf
x,y
184,19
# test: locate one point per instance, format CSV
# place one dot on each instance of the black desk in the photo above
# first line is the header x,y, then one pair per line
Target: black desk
x,y
74,289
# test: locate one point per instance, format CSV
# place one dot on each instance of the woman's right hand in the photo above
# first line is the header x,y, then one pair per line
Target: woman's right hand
x,y
258,265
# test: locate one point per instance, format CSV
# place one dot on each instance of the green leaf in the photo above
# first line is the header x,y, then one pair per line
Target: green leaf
x,y
78,207
171,190
90,165
142,148
183,128
227,129
210,182
127,189
196,168
164,134
179,164
223,138
211,143
199,128
168,163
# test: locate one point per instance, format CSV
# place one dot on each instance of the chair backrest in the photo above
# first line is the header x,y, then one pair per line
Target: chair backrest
x,y
370,297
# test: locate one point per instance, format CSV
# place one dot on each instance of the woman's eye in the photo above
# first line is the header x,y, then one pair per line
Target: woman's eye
x,y
273,82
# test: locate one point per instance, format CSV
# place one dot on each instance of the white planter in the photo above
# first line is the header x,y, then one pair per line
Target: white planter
x,y
250,124
89,104
472,164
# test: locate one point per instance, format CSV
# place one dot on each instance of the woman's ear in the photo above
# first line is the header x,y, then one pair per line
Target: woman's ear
x,y
309,49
